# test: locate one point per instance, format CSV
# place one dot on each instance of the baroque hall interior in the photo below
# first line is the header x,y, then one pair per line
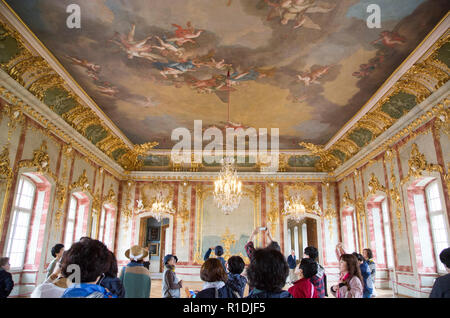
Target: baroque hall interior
x,y
87,118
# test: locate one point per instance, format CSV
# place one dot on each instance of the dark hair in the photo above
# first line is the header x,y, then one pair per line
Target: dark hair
x,y
112,269
268,270
308,267
212,271
275,246
312,252
83,238
56,249
236,264
218,250
444,256
4,261
359,257
352,267
90,255
369,253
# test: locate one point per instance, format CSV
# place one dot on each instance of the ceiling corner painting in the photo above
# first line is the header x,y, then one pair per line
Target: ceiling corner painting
x,y
303,66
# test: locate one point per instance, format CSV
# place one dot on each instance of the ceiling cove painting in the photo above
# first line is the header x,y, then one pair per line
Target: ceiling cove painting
x,y
303,66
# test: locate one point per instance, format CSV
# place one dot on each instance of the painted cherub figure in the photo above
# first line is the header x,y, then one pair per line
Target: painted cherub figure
x,y
135,48
296,10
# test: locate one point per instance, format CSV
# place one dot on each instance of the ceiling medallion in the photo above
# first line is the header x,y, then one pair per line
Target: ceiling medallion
x,y
227,188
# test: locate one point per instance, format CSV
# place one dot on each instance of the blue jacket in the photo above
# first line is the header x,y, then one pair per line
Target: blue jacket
x,y
292,261
114,285
87,291
220,258
237,283
366,274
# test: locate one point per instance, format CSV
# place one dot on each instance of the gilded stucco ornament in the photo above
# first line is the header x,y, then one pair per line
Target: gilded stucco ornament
x,y
183,213
328,162
418,165
329,212
374,185
132,160
6,172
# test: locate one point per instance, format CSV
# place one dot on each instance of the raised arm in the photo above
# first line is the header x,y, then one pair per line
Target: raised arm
x,y
269,237
339,250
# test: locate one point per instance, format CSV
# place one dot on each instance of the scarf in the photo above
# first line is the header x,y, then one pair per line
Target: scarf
x,y
216,285
343,278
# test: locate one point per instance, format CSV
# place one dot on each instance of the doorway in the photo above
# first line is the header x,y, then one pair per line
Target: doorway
x,y
301,234
152,236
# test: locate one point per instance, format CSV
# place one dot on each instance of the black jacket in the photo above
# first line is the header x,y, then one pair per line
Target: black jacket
x,y
6,283
266,294
237,283
224,292
441,287
114,285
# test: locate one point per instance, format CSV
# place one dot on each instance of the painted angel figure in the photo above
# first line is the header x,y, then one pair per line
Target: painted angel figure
x,y
135,48
89,66
296,10
390,39
313,76
168,46
183,35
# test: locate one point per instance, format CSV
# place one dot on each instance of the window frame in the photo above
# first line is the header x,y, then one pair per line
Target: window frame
x,y
15,209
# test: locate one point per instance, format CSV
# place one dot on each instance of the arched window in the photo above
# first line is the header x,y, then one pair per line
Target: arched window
x,y
387,234
437,219
428,218
349,225
18,234
106,230
304,236
77,218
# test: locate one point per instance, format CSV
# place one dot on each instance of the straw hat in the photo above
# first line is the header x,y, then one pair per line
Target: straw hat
x,y
136,253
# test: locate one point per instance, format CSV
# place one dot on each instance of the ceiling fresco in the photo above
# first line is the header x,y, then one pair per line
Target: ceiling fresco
x,y
303,66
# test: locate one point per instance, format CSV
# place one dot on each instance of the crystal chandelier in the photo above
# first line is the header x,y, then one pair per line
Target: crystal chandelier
x,y
159,207
295,208
227,188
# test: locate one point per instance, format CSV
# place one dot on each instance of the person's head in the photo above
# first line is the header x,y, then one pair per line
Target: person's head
x,y
212,271
136,254
275,246
367,253
444,256
293,252
359,257
235,265
84,238
311,252
170,260
91,257
268,270
58,250
112,269
349,264
307,268
4,263
218,250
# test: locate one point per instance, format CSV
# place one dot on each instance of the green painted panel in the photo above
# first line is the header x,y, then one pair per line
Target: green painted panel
x,y
443,54
95,133
399,104
303,161
8,47
156,161
361,136
59,100
246,162
116,154
339,154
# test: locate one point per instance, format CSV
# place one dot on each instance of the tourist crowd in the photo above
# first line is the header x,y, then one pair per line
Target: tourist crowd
x,y
89,270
